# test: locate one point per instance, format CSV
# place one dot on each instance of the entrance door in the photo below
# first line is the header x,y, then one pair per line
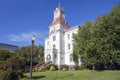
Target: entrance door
x,y
48,58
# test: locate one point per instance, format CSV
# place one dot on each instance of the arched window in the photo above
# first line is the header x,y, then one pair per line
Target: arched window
x,y
71,57
48,57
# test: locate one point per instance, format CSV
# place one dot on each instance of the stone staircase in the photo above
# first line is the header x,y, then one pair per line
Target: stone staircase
x,y
42,65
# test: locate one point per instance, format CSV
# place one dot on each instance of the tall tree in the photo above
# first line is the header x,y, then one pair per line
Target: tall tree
x,y
24,53
4,55
98,43
84,46
14,63
107,31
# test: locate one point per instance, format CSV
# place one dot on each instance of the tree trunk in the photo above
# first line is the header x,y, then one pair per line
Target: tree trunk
x,y
93,67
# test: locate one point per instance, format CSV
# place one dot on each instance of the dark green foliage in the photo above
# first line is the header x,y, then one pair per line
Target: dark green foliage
x,y
98,43
79,67
13,63
64,67
4,55
24,53
11,66
10,75
43,69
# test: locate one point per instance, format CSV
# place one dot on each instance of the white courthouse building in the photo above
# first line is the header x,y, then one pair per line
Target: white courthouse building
x,y
59,42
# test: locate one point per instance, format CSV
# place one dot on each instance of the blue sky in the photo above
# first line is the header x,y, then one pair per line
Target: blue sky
x,y
19,19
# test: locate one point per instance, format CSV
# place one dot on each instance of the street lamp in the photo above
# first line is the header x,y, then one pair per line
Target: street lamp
x,y
32,51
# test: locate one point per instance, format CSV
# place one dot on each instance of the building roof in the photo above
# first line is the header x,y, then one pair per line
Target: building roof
x,y
8,47
8,44
72,28
60,20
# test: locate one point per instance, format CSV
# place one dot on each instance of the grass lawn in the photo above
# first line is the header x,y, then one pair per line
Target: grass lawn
x,y
76,75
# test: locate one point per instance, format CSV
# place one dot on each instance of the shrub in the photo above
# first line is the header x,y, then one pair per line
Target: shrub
x,y
64,67
13,63
52,68
42,69
79,67
10,75
76,67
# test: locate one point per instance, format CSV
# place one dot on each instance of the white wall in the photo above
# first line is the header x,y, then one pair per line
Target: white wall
x,y
69,40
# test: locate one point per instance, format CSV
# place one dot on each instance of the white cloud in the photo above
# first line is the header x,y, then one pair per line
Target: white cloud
x,y
25,37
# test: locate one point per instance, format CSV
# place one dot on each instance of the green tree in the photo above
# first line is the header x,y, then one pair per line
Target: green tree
x,y
12,68
98,43
107,31
84,46
24,53
4,55
14,63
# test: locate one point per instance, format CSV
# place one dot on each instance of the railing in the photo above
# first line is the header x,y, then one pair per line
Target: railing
x,y
42,65
55,50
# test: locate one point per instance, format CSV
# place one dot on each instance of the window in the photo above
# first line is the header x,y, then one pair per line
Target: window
x,y
68,36
48,57
68,46
54,38
71,57
55,56
54,47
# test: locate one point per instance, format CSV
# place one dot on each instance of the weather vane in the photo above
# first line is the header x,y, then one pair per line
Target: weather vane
x,y
59,3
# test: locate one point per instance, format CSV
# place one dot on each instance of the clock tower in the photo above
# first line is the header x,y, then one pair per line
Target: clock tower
x,y
58,43
59,21
54,44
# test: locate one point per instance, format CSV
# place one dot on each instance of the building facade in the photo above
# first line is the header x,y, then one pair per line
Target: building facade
x,y
59,43
8,47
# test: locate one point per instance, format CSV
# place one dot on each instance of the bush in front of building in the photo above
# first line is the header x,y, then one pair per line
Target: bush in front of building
x,y
42,69
79,67
64,67
52,68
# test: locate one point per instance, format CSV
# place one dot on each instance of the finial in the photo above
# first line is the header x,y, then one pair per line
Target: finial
x,y
59,4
